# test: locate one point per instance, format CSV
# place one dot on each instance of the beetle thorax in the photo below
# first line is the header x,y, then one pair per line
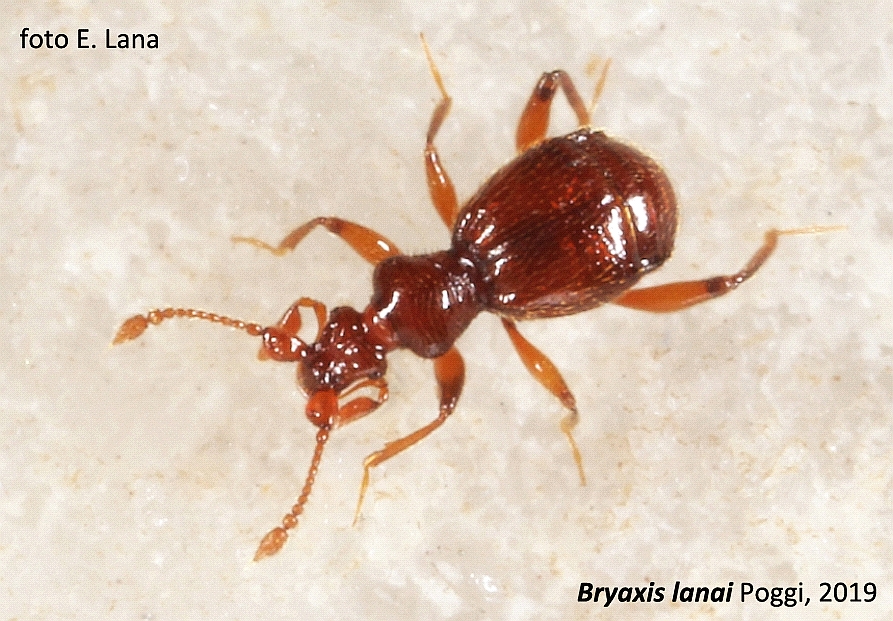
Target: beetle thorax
x,y
428,300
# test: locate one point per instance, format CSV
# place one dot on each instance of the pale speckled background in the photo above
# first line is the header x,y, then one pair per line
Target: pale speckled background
x,y
748,439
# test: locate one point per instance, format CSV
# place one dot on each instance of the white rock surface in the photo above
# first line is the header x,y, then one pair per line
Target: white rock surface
x,y
748,439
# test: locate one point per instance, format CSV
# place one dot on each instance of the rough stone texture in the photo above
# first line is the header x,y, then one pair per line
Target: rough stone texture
x,y
748,439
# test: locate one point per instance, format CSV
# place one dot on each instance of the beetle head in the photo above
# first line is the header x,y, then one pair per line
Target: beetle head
x,y
344,358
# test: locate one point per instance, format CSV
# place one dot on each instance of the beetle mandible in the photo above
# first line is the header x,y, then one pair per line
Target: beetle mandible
x,y
571,223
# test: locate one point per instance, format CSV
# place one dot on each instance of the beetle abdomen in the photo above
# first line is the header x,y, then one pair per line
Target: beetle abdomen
x,y
570,224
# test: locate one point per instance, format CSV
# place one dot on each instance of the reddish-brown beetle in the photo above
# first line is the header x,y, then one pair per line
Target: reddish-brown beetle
x,y
572,223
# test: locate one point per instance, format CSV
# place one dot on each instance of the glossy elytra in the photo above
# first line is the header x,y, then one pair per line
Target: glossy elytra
x,y
571,223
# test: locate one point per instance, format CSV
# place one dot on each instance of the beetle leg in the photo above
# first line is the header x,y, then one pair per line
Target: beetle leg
x,y
546,373
280,341
443,194
369,244
676,296
361,406
449,370
535,118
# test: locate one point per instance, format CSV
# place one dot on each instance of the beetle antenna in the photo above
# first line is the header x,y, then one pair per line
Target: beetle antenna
x,y
137,324
276,538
